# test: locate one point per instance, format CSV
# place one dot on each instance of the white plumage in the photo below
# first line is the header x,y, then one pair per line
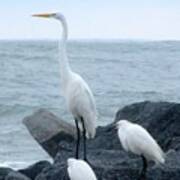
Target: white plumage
x,y
80,170
136,139
81,102
79,98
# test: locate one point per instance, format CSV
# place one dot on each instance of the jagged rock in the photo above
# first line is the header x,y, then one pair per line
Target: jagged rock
x,y
16,176
33,170
169,171
116,165
48,130
109,161
4,172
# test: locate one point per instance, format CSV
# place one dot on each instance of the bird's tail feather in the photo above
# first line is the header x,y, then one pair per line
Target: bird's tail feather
x,y
90,125
160,156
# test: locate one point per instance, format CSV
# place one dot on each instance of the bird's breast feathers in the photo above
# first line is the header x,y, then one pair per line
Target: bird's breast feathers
x,y
79,96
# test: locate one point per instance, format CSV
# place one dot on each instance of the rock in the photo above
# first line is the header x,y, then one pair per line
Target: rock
x,y
48,130
116,165
33,170
171,169
175,143
4,172
55,172
16,176
106,156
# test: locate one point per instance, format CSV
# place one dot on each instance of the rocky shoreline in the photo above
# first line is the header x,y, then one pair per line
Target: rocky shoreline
x,y
109,161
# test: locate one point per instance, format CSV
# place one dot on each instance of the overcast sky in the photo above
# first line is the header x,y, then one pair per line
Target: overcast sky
x,y
92,19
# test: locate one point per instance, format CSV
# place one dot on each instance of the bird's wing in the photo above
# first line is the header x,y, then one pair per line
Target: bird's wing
x,y
142,143
122,134
82,104
80,95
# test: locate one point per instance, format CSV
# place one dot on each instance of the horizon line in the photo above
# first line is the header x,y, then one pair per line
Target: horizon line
x,y
92,39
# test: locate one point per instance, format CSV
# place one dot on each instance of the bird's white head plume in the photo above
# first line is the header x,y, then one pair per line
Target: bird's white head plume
x,y
122,123
70,161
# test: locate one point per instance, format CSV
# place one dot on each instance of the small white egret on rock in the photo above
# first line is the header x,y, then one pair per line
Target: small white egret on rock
x,y
79,98
134,138
80,170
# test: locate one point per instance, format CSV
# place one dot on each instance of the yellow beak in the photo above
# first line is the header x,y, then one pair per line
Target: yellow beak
x,y
45,15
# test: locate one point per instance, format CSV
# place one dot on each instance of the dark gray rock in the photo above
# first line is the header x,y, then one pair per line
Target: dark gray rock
x,y
4,172
16,176
48,130
33,170
175,143
108,159
169,171
116,165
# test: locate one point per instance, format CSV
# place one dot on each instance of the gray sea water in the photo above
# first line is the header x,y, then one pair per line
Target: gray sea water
x,y
119,73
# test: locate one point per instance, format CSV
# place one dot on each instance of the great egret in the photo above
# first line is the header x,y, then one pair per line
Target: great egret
x,y
80,170
134,138
79,98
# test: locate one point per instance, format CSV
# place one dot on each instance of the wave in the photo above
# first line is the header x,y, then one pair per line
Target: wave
x,y
14,164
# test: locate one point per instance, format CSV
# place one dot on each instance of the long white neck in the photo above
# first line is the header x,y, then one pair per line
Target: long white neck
x,y
65,69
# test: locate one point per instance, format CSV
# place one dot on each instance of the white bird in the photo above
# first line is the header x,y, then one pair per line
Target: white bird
x,y
80,170
79,98
134,138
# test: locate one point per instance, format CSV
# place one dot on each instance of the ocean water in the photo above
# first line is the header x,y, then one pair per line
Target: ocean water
x,y
119,73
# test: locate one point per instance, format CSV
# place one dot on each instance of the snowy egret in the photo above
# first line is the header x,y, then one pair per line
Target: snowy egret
x,y
79,98
80,170
134,138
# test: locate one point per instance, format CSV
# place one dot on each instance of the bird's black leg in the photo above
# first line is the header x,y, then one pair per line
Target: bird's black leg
x,y
144,169
78,139
65,175
84,139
